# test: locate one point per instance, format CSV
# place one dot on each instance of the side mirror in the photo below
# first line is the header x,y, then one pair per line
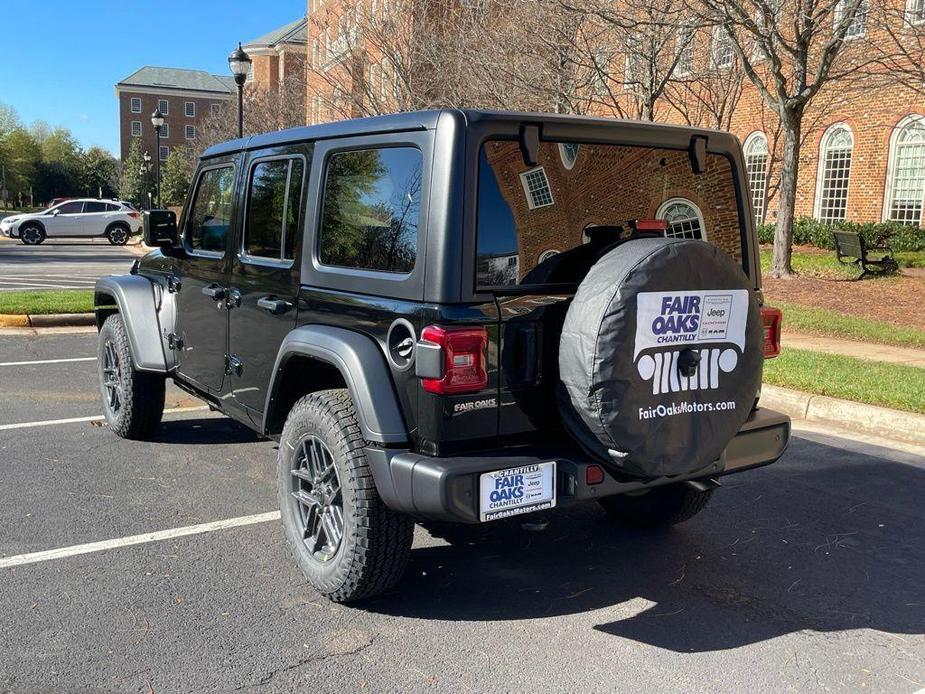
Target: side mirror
x,y
160,228
55,213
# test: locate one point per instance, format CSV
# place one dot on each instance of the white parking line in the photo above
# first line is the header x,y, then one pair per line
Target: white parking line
x,y
94,418
74,550
46,361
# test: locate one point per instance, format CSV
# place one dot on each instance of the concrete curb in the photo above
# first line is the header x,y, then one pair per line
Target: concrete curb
x,y
869,419
50,320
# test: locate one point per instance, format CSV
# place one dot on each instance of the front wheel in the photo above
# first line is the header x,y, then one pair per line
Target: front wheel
x,y
31,234
117,235
347,542
667,505
133,401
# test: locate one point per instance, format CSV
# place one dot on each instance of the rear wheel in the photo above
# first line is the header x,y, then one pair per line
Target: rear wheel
x,y
31,234
661,506
133,401
117,234
346,541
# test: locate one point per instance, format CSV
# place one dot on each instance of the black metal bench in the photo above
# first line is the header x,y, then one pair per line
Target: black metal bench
x,y
849,244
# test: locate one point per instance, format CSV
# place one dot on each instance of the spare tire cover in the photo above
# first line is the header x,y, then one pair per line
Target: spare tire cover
x,y
649,312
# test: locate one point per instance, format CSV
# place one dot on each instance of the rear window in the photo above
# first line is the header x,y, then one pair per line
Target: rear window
x,y
547,224
369,218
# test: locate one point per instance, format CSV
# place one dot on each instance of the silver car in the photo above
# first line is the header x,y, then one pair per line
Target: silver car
x,y
114,219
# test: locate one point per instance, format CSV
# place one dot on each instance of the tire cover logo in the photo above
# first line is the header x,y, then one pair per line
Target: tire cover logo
x,y
667,323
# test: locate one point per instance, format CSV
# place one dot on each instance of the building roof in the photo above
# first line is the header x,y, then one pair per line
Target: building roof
x,y
295,32
178,78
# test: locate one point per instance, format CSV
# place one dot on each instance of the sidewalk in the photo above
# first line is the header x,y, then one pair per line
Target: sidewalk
x,y
849,348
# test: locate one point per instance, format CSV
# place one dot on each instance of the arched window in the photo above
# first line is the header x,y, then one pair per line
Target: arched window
x,y
684,218
756,166
905,188
834,174
568,152
546,255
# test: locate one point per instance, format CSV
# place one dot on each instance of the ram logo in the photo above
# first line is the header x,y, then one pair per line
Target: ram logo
x,y
686,339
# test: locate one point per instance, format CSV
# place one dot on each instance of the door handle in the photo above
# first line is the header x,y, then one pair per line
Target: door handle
x,y
214,291
274,306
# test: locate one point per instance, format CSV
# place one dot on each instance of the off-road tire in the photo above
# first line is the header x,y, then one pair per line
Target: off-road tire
x,y
118,234
661,506
142,393
376,541
38,239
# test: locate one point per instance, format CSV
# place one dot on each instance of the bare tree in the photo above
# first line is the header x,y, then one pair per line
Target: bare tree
x,y
790,50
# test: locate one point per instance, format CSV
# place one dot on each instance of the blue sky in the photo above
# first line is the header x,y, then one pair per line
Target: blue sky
x,y
64,74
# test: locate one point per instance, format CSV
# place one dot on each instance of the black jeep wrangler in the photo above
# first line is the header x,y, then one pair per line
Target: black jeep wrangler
x,y
457,316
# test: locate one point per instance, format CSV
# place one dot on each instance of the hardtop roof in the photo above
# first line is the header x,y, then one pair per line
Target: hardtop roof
x,y
426,120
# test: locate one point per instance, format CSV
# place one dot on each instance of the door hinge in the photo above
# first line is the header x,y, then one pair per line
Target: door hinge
x,y
174,341
233,365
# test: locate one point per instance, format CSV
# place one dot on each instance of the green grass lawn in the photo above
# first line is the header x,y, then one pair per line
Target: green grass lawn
x,y
64,301
820,321
824,263
875,383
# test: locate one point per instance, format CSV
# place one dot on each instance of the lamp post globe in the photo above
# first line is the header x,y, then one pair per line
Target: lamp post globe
x,y
240,63
157,120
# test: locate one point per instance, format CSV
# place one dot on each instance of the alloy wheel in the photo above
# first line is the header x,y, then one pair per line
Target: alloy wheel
x,y
118,236
31,235
317,495
112,378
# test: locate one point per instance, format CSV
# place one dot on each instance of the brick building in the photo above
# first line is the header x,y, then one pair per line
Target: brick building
x,y
187,98
863,152
279,56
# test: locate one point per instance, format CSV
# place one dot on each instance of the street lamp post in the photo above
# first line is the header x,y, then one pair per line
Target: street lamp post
x,y
157,120
240,64
146,174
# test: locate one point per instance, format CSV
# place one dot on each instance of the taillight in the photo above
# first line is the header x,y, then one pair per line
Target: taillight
x,y
463,351
133,215
771,319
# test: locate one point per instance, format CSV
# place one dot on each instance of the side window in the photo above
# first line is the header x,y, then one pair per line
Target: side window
x,y
71,208
210,213
110,207
94,207
274,200
371,203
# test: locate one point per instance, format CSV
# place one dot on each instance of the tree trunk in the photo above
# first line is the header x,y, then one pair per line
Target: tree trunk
x,y
789,169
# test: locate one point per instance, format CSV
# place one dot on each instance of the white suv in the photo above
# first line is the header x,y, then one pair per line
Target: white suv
x,y
115,220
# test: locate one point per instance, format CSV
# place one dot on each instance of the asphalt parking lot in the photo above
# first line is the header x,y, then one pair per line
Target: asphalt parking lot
x,y
60,263
803,576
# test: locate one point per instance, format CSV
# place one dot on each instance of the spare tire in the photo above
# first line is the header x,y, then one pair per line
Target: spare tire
x,y
660,356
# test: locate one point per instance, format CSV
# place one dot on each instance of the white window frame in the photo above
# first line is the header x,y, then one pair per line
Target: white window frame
x,y
163,152
138,123
860,19
215,110
165,131
563,149
719,34
891,164
547,254
166,103
186,132
749,142
132,101
600,79
824,148
690,203
915,15
531,202
186,109
684,50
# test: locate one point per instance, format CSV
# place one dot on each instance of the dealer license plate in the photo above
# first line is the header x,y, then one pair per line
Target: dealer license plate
x,y
519,490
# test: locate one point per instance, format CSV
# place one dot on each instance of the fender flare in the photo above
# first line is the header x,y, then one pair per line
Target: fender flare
x,y
362,365
137,300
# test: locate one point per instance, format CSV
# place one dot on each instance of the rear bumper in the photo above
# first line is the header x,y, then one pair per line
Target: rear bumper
x,y
446,489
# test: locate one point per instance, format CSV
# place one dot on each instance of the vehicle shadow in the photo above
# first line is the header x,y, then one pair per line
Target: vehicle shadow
x,y
825,540
204,431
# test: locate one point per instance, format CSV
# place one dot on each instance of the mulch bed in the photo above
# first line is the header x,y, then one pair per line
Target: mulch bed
x,y
899,300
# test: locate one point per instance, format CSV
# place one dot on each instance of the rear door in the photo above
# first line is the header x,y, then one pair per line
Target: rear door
x,y
202,315
93,219
264,280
